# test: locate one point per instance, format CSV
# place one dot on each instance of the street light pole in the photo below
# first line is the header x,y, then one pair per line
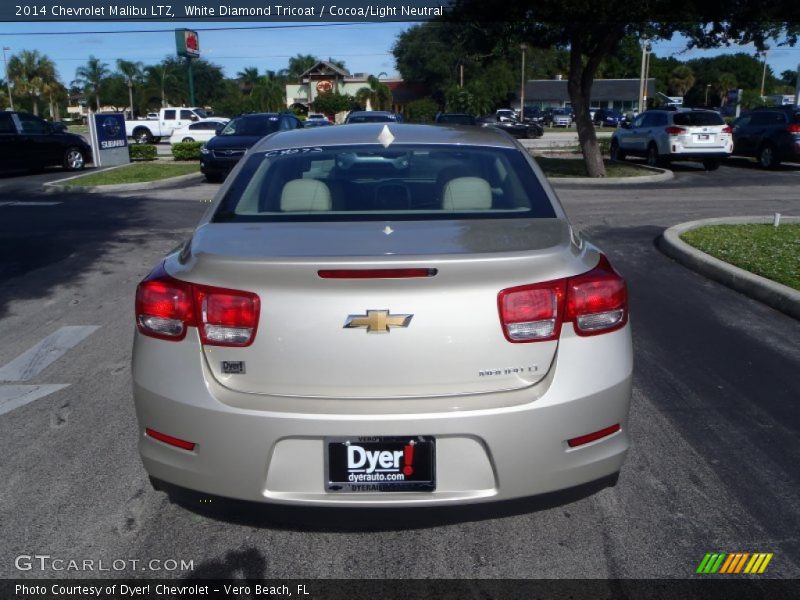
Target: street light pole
x,y
764,73
641,76
522,47
8,82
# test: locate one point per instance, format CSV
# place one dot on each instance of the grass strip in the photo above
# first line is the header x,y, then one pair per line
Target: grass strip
x,y
136,173
576,167
765,250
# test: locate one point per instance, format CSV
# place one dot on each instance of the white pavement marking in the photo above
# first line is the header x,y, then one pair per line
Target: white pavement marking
x,y
23,203
32,362
14,396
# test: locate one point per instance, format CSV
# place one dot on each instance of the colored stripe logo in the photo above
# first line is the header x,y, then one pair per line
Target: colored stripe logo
x,y
734,563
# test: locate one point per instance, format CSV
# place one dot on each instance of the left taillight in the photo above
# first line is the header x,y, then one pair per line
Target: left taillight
x,y
166,307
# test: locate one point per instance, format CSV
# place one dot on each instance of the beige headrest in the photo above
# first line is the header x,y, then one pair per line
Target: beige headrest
x,y
305,195
467,193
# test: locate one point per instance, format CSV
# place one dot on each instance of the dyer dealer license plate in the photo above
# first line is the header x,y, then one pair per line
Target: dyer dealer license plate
x,y
381,464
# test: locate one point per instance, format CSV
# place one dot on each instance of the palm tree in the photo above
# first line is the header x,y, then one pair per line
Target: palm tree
x,y
378,94
160,77
31,73
248,79
681,80
90,77
132,72
725,82
268,93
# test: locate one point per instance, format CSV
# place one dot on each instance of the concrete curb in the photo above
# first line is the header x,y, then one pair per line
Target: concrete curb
x,y
776,295
57,186
659,175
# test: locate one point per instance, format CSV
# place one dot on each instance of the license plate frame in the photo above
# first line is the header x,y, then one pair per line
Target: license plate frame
x,y
374,470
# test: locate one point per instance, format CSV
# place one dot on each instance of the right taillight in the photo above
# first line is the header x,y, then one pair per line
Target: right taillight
x,y
597,301
166,307
594,302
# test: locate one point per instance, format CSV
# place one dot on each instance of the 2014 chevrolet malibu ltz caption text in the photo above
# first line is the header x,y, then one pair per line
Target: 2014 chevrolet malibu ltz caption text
x,y
383,315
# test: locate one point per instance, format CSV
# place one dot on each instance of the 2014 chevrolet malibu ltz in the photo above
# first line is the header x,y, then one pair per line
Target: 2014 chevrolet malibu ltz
x,y
383,314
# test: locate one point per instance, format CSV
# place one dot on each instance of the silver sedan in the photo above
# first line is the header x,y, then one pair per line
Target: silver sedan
x,y
383,314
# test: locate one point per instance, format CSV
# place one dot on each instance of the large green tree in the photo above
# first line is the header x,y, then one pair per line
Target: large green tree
x,y
592,31
90,77
32,74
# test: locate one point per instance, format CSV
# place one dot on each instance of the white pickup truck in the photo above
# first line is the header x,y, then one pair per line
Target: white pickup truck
x,y
152,130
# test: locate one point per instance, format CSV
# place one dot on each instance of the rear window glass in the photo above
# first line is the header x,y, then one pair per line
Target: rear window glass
x,y
698,118
370,119
255,125
370,182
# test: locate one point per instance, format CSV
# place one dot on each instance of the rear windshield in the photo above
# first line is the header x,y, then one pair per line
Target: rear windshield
x,y
370,119
253,125
698,118
370,182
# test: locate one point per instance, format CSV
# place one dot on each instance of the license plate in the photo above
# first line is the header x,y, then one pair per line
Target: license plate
x,y
703,137
380,464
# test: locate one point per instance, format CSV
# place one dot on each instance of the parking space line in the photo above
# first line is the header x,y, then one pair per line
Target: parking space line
x,y
14,396
33,361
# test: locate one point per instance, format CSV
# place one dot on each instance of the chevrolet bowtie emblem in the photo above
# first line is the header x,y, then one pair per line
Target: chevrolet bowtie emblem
x,y
377,321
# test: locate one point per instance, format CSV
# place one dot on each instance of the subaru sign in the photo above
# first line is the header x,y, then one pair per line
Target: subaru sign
x,y
109,142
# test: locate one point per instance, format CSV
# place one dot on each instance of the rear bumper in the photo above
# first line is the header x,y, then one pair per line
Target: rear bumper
x,y
515,451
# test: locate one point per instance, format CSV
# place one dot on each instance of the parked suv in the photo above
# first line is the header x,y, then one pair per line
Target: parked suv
x,y
772,135
665,135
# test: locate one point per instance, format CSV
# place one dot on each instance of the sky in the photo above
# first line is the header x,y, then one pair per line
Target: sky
x,y
364,47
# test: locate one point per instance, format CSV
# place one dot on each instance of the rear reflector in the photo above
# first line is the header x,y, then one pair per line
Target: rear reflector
x,y
793,128
591,437
595,302
375,273
166,307
168,439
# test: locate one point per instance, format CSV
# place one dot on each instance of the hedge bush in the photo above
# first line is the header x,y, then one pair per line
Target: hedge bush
x,y
142,151
186,150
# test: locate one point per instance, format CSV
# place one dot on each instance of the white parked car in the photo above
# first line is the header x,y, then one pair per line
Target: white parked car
x,y
199,131
662,136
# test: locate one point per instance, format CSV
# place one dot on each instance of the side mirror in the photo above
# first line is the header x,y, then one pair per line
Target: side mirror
x,y
218,129
625,125
195,118
58,127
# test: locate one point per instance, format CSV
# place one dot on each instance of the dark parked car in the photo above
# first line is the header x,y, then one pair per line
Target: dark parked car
x,y
221,153
316,123
455,119
772,135
605,117
513,127
533,114
30,142
372,116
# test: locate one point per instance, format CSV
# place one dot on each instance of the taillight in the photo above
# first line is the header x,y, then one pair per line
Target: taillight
x,y
594,302
166,307
672,130
793,128
226,317
532,313
727,129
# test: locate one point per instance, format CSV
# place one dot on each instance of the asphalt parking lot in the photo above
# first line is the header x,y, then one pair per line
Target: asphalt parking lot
x,y
714,417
